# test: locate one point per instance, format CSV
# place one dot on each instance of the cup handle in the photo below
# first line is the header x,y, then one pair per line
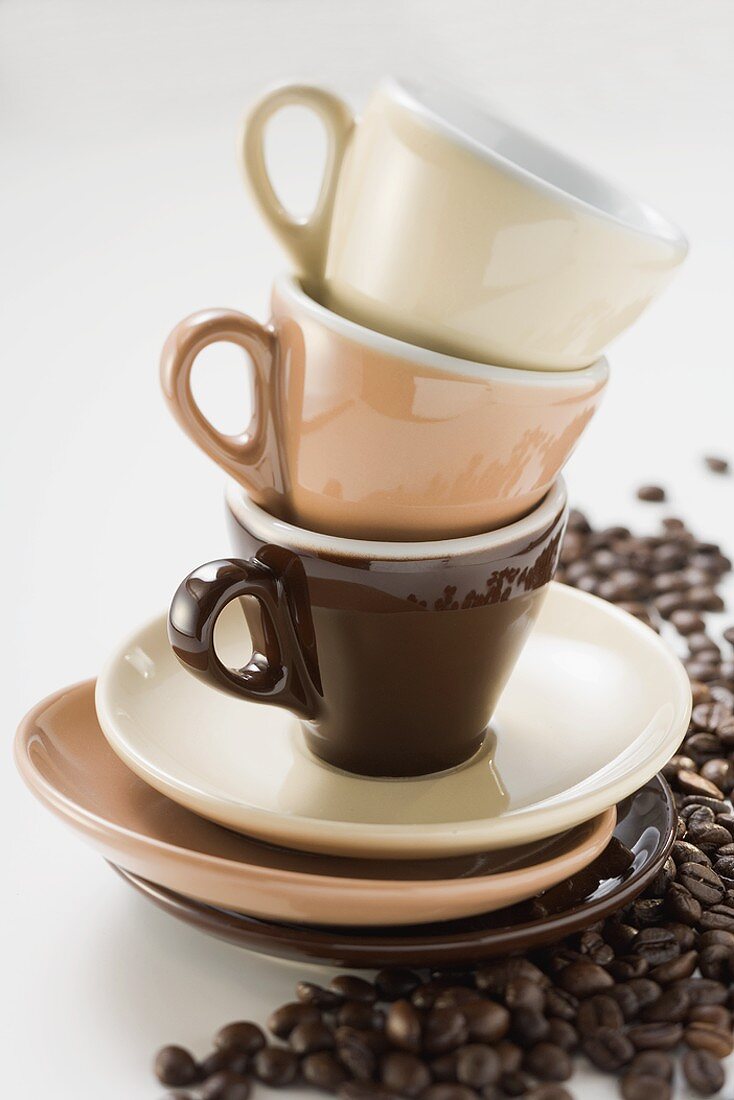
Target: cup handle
x,y
305,240
234,453
275,675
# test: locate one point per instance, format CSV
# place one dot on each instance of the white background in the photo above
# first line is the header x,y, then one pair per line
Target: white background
x,y
122,210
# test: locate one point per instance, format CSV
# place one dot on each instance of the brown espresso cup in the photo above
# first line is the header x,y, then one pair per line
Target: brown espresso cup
x,y
393,655
361,435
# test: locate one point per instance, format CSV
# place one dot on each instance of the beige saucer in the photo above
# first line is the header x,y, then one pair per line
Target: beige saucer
x,y
66,761
596,705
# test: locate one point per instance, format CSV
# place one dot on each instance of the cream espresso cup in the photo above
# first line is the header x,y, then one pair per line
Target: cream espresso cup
x,y
447,227
359,435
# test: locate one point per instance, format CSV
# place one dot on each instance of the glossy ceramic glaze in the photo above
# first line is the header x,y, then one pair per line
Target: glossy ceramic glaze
x,y
448,227
595,693
360,435
65,760
392,655
643,838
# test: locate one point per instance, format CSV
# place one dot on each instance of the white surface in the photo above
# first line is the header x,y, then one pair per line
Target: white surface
x,y
121,211
586,665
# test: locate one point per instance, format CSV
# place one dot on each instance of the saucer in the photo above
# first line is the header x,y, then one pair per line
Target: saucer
x,y
645,825
66,761
596,705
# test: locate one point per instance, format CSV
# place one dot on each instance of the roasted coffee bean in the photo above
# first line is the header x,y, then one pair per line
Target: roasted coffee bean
x,y
584,979
548,1062
396,983
671,1006
424,997
659,1036
445,1029
702,882
608,1049
486,1022
518,1083
681,905
351,988
523,993
686,936
648,911
310,1037
596,1012
311,994
225,1085
562,1034
218,1060
717,465
701,1036
356,1055
717,917
175,1066
449,1092
645,990
652,493
364,1090
456,995
375,1041
242,1035
404,1074
626,999
657,945
282,1021
652,1063
627,967
360,1015
704,991
676,969
703,1072
716,1015
477,1065
635,1086
275,1066
703,598
528,1026
493,977
323,1071
560,1003
692,783
714,962
443,1068
403,1026
687,622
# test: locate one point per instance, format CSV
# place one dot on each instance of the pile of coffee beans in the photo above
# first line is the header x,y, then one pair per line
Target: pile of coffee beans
x,y
642,995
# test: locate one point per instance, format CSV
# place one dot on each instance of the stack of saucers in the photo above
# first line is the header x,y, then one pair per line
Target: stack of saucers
x,y
420,748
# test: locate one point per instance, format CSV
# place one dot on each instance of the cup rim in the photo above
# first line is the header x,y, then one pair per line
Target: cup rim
x,y
623,209
272,530
588,378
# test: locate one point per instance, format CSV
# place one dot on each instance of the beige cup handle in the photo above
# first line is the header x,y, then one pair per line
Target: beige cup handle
x,y
234,453
306,239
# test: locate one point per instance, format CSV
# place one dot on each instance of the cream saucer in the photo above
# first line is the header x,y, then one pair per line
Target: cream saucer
x,y
596,705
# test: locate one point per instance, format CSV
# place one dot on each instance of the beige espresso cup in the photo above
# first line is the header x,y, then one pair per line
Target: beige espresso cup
x,y
447,227
359,435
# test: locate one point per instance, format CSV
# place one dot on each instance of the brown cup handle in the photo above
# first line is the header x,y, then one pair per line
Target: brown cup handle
x,y
234,453
278,675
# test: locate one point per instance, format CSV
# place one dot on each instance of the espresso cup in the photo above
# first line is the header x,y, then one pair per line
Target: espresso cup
x,y
449,228
393,655
363,436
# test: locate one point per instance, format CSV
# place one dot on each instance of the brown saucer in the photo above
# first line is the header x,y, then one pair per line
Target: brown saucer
x,y
645,827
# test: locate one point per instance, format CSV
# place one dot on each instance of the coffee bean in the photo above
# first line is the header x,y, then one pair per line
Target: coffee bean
x,y
242,1035
282,1021
404,1074
449,1092
703,1072
396,983
583,979
562,1034
225,1085
456,995
360,1015
323,1071
687,622
486,1022
651,493
676,969
311,1037
528,1026
652,1063
523,993
657,945
518,1083
701,1036
351,988
701,882
175,1066
704,598
356,1055
645,990
717,465
636,1086
683,852
218,1060
660,1036
492,978
704,991
714,961
445,1029
692,783
275,1066
628,966
596,1012
671,1006
560,1003
608,1049
311,994
548,1062
365,1090
403,1026
477,1065
716,1015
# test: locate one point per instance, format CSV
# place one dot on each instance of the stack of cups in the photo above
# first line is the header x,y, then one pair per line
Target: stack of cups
x,y
396,507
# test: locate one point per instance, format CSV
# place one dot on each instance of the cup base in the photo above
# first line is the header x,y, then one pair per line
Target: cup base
x,y
400,766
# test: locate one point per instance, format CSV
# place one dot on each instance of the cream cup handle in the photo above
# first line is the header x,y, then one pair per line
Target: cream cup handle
x,y
305,240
